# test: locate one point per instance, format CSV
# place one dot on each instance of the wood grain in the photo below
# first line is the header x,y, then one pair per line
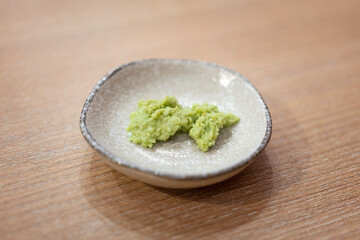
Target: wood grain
x,y
303,56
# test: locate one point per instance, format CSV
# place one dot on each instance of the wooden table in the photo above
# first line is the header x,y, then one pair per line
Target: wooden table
x,y
303,56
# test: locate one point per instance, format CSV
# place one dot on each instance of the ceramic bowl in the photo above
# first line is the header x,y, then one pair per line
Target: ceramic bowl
x,y
176,163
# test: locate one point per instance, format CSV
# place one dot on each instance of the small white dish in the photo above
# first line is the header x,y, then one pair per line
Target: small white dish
x,y
176,163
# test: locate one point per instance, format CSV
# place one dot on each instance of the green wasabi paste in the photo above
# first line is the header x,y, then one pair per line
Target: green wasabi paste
x,y
158,120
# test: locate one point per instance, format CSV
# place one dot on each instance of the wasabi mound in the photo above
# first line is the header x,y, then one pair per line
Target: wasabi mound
x,y
158,120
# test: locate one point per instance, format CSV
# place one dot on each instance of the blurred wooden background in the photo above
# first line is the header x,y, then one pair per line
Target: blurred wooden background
x,y
303,56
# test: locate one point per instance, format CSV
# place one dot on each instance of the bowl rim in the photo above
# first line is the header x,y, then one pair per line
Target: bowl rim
x,y
122,163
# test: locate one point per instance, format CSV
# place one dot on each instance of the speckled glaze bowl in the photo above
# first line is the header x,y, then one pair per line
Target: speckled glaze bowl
x,y
176,163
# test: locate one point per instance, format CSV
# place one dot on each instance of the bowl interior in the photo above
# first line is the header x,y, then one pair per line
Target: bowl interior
x,y
190,82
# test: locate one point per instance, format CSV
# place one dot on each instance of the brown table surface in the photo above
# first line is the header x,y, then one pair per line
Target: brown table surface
x,y
303,56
